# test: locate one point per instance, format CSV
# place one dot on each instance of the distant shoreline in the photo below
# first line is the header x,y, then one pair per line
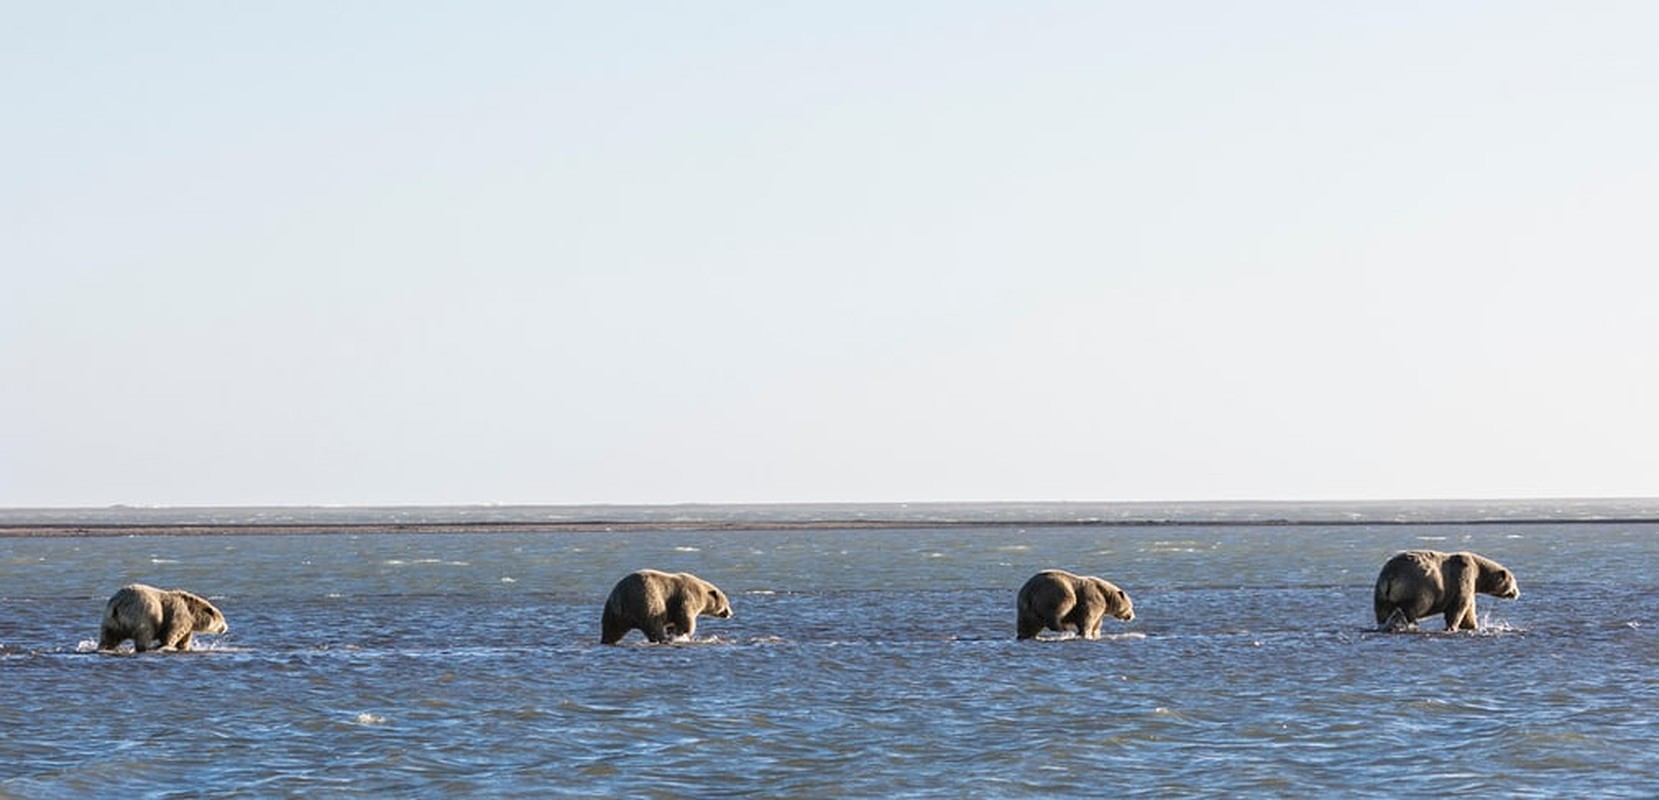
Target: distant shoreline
x,y
1010,515
627,526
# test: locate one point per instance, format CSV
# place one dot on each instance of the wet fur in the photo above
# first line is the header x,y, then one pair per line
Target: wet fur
x,y
1416,584
1055,599
156,617
661,605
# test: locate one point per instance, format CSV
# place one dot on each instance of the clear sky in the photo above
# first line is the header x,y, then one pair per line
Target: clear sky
x,y
539,252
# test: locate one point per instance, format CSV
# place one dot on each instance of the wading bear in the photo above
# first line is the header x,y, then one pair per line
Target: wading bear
x,y
148,615
1415,584
1055,599
661,605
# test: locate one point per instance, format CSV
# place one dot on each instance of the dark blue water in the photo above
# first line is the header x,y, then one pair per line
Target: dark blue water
x,y
859,662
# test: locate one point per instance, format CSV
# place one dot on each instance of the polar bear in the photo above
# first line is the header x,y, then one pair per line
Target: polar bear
x,y
1419,583
1056,599
148,615
661,605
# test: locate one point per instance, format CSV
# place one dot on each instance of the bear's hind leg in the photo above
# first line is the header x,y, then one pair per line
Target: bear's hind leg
x,y
1029,625
1385,611
612,625
142,637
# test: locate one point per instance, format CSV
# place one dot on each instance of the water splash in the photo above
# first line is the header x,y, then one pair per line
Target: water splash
x,y
1489,625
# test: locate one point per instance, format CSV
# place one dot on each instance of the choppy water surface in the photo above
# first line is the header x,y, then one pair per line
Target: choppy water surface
x,y
858,663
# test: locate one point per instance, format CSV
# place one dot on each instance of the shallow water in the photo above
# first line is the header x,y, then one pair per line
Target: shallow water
x,y
858,663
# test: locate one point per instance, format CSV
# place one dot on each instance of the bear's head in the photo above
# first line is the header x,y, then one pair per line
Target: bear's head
x,y
715,603
207,618
1497,581
1118,603
1122,607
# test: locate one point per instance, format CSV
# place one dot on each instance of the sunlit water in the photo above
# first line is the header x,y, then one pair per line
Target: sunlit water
x,y
858,663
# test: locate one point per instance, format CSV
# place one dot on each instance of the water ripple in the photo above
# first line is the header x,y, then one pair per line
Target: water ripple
x,y
857,664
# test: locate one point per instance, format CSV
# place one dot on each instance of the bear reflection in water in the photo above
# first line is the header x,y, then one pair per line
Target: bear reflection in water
x,y
662,605
1056,599
1415,584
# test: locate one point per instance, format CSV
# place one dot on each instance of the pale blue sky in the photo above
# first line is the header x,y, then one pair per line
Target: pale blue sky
x,y
420,252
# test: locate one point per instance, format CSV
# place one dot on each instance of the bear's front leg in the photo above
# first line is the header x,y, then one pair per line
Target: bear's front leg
x,y
1461,618
656,631
174,632
685,624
